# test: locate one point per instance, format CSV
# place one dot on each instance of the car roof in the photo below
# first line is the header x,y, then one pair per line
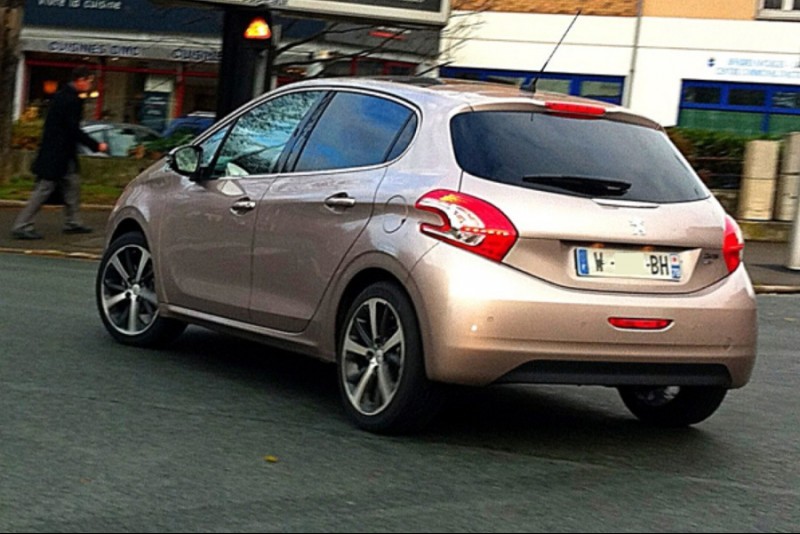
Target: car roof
x,y
475,94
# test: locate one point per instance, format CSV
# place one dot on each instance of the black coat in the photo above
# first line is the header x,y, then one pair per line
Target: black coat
x,y
61,136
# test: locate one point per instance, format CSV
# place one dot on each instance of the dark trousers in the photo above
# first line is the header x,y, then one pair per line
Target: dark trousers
x,y
70,186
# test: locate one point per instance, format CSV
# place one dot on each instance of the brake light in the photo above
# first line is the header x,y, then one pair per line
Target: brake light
x,y
639,324
733,244
571,108
469,223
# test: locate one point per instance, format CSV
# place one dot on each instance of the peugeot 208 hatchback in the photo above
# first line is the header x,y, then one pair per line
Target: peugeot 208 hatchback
x,y
441,232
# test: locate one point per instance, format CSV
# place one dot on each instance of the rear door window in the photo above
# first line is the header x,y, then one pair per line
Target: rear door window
x,y
575,156
356,130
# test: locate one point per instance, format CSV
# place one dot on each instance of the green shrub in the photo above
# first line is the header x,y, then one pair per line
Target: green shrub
x,y
717,157
26,134
161,146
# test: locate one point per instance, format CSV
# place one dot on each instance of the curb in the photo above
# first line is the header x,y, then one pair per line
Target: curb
x,y
776,290
21,204
52,253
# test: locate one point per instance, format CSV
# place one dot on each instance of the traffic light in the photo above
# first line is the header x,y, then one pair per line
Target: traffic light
x,y
247,49
258,32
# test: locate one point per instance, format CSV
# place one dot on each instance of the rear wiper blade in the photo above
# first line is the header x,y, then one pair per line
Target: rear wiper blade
x,y
588,185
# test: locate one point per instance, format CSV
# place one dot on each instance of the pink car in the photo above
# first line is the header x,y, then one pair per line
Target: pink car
x,y
442,232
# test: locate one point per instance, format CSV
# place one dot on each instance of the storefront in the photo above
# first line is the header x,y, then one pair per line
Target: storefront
x,y
154,63
737,75
146,71
746,108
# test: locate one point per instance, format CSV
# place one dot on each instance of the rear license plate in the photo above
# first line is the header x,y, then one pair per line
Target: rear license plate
x,y
611,263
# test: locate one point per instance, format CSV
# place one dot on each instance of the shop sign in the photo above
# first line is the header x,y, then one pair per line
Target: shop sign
x,y
419,41
134,15
427,12
756,68
122,49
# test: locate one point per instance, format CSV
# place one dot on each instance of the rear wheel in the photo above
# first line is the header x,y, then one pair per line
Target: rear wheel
x,y
672,406
126,295
381,365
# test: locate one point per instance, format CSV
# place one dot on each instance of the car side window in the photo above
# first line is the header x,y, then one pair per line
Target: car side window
x,y
258,137
355,130
404,138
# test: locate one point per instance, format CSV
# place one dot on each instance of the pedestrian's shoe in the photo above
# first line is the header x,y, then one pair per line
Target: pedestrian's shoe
x,y
26,235
77,229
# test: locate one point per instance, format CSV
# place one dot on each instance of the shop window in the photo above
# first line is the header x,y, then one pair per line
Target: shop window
x,y
553,85
338,68
786,99
399,69
601,90
369,67
748,109
747,97
740,122
702,95
783,124
780,9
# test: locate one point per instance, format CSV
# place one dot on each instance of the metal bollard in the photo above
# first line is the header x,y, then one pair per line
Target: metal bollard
x,y
757,192
791,168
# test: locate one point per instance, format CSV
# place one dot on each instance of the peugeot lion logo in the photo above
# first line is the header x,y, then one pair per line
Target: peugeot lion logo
x,y
638,226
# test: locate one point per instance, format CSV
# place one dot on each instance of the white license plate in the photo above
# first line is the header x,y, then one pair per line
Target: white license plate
x,y
611,263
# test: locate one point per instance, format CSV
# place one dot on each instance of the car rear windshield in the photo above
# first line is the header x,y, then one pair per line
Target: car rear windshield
x,y
591,157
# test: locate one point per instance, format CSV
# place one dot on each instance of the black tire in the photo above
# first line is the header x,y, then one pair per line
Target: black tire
x,y
381,365
126,283
672,406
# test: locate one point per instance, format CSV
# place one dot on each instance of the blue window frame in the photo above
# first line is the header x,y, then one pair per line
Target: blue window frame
x,y
765,108
605,88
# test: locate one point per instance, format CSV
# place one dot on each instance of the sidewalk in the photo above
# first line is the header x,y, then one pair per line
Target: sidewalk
x,y
764,259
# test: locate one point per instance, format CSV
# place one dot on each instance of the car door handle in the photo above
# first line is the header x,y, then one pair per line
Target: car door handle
x,y
243,206
341,200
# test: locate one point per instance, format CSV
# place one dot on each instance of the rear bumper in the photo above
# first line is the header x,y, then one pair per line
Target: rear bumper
x,y
484,322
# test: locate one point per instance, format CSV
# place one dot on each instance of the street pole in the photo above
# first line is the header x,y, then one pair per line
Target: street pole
x,y
627,91
10,25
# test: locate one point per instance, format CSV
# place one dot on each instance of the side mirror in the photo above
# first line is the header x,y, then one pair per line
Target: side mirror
x,y
185,160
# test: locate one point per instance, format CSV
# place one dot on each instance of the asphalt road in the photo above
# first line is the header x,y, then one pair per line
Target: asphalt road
x,y
218,434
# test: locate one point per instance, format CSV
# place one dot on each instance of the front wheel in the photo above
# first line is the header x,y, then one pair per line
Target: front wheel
x,y
672,406
381,365
126,295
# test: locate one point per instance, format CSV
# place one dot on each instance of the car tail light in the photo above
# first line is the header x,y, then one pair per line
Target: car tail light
x,y
733,244
571,108
469,223
639,324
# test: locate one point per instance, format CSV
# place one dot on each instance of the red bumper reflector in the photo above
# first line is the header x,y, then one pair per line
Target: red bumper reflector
x,y
639,324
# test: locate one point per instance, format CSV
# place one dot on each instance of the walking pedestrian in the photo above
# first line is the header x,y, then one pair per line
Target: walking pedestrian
x,y
56,164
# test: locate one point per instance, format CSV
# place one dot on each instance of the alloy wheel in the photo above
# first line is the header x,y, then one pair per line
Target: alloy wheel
x,y
373,356
128,295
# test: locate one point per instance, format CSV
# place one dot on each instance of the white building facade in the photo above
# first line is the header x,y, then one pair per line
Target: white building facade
x,y
738,74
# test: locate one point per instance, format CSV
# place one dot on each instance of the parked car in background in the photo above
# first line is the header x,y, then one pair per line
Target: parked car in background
x,y
422,232
120,137
194,123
